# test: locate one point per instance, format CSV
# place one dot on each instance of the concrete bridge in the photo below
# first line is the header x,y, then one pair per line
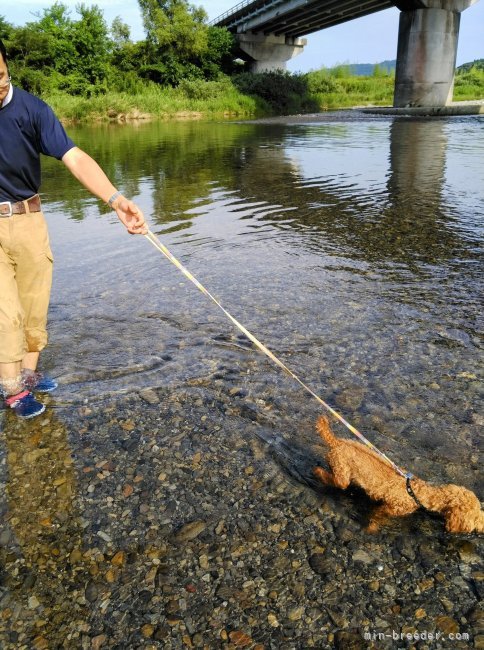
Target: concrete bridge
x,y
271,32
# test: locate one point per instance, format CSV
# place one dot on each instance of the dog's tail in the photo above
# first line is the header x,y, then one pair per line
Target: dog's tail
x,y
324,430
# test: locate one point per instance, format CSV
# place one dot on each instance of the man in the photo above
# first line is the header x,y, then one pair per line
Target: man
x,y
28,128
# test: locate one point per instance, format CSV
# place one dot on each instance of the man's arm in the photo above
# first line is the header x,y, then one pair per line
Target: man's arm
x,y
89,174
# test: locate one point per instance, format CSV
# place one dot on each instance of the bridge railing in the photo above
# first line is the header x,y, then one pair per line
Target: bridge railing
x,y
231,11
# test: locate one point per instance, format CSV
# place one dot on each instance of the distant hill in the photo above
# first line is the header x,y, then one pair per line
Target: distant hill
x,y
366,69
465,67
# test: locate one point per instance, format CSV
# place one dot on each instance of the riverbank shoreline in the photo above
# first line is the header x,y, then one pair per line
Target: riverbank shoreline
x,y
136,117
456,109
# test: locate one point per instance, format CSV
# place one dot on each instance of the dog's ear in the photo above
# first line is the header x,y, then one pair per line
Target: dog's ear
x,y
459,521
462,511
454,522
480,523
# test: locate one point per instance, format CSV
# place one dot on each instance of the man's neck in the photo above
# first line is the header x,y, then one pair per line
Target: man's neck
x,y
8,98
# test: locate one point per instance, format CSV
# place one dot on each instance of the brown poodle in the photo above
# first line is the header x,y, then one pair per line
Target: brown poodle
x,y
352,462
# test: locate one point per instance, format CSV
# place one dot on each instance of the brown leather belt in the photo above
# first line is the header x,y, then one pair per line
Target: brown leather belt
x,y
8,209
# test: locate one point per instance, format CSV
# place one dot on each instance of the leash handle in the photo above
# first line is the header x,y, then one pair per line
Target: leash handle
x,y
164,250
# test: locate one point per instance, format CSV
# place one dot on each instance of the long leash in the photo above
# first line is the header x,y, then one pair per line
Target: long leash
x,y
164,250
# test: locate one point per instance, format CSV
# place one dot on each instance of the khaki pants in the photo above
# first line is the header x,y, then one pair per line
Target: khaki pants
x,y
25,283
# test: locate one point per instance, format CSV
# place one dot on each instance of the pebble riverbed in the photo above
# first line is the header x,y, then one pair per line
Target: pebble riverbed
x,y
183,533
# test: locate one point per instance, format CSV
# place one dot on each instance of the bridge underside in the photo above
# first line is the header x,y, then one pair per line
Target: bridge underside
x,y
270,32
299,17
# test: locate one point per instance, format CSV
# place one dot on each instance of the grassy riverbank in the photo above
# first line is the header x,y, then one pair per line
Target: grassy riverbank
x,y
156,102
337,88
469,82
243,95
246,96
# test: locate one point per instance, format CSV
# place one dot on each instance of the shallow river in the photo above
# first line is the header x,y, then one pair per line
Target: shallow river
x,y
349,245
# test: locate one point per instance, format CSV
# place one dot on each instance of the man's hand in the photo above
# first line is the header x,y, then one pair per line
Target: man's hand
x,y
130,215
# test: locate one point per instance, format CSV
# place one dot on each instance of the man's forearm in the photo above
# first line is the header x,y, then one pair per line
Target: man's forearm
x,y
88,173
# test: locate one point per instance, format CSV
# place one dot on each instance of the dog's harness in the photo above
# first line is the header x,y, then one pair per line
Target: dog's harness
x,y
412,493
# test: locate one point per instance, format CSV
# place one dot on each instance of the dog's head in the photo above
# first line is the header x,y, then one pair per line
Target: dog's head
x,y
463,513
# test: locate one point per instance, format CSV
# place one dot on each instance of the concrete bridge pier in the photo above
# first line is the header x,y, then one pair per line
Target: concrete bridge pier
x,y
268,51
427,50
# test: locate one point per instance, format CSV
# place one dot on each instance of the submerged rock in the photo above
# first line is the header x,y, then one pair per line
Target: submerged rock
x,y
189,531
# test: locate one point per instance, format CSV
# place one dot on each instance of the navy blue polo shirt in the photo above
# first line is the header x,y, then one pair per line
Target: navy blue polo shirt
x,y
28,128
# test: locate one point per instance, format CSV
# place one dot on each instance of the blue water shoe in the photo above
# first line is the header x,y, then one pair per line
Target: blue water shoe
x,y
36,381
25,405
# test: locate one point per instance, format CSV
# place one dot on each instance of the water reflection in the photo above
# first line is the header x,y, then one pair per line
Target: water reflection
x,y
417,160
417,227
363,186
390,216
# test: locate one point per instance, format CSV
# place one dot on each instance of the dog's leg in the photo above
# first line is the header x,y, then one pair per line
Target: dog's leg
x,y
377,519
324,476
382,513
341,471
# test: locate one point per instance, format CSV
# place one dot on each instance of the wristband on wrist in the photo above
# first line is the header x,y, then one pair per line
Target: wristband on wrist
x,y
113,198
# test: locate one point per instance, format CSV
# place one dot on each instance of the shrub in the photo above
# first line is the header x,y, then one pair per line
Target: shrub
x,y
126,82
469,84
34,81
282,91
76,84
320,81
199,89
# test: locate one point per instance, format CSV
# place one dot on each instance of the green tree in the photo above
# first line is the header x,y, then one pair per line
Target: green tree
x,y
120,32
78,54
175,26
55,27
59,52
89,36
177,36
5,28
220,53
126,59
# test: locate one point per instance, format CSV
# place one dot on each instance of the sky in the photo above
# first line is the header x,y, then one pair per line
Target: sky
x,y
367,40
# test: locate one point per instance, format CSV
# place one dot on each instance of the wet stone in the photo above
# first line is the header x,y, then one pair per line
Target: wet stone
x,y
446,624
295,614
147,630
91,593
405,547
189,531
362,556
5,537
149,396
98,641
321,564
348,641
351,398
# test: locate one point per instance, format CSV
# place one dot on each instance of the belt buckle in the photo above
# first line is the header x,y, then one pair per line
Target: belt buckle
x,y
9,203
